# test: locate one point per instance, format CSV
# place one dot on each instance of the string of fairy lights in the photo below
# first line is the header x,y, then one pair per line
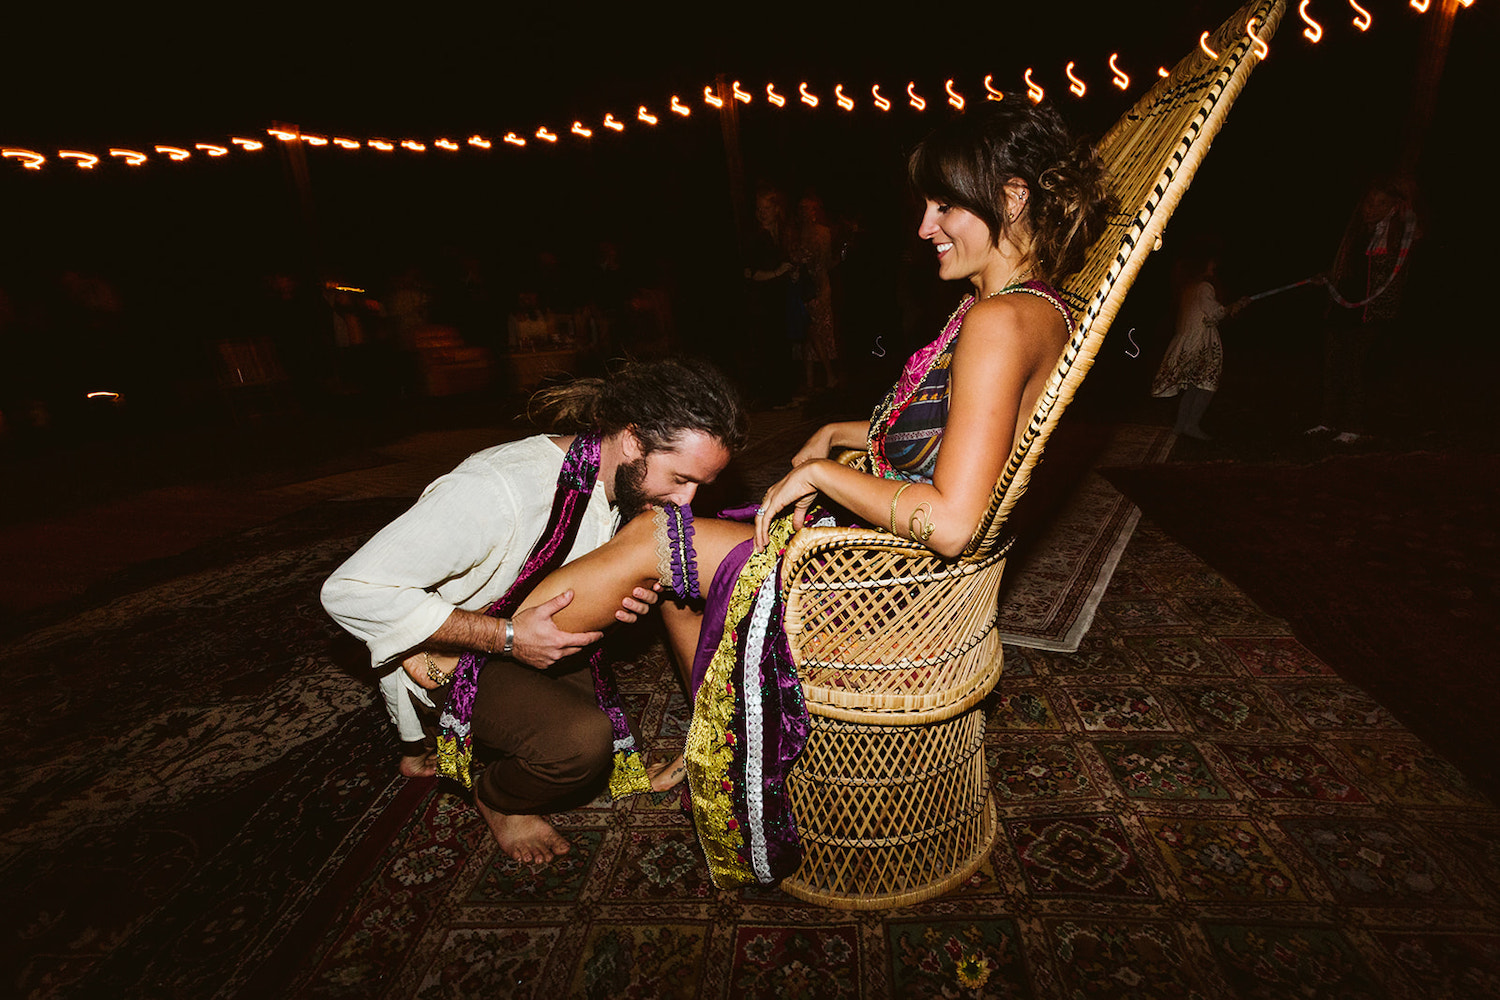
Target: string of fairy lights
x,y
773,94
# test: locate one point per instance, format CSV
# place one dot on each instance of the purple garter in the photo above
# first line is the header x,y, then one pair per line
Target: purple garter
x,y
681,555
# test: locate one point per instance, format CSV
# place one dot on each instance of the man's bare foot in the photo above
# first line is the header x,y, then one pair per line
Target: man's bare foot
x,y
667,776
530,840
419,766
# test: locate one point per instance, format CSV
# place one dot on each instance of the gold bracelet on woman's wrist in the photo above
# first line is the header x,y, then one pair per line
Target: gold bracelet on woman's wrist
x,y
899,490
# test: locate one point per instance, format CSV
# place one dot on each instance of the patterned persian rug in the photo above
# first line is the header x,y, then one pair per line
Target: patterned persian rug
x,y
1061,569
1386,565
200,801
1192,805
185,756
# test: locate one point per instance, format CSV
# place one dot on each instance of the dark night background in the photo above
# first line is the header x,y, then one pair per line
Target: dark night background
x,y
188,245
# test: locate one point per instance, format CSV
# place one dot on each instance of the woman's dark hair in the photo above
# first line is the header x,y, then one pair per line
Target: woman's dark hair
x,y
657,399
968,161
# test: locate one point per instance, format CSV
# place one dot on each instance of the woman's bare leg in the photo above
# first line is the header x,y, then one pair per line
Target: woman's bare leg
x,y
683,623
602,579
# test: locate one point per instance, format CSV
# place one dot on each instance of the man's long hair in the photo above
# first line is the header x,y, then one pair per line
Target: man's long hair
x,y
658,400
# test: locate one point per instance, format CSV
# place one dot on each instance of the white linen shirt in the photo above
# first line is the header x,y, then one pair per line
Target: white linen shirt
x,y
461,545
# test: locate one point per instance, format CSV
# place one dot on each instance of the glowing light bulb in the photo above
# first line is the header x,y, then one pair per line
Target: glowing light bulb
x,y
1362,19
447,144
248,145
1420,6
847,103
211,149
610,123
990,93
175,153
1261,48
679,108
1120,79
911,92
546,135
1161,71
1076,85
954,97
480,142
282,134
380,144
774,97
1203,44
86,161
1314,31
414,145
711,99
880,101
1033,92
514,139
809,99
130,156
740,95
645,115
30,158
578,129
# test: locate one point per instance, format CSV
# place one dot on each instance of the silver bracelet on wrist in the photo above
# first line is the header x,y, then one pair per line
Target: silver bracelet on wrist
x,y
510,638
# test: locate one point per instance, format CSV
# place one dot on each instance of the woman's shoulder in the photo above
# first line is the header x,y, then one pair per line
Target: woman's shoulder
x,y
1015,314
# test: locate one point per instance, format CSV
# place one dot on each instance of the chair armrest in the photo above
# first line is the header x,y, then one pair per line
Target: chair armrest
x,y
853,595
881,625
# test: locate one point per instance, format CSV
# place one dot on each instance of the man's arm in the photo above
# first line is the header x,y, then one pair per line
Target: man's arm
x,y
538,642
386,594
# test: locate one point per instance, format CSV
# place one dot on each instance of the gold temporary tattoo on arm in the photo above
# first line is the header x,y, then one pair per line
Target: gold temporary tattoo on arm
x,y
921,524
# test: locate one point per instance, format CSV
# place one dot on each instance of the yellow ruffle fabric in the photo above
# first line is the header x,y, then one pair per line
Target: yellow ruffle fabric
x,y
709,752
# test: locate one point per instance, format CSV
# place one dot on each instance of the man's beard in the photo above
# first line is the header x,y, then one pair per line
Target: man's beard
x,y
630,497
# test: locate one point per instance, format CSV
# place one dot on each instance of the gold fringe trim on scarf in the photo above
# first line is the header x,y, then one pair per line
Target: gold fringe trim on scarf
x,y
455,763
628,776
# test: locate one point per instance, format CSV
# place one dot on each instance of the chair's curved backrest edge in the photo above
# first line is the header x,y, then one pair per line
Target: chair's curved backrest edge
x,y
1122,251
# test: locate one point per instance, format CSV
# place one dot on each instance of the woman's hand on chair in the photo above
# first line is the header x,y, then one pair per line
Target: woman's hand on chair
x,y
796,490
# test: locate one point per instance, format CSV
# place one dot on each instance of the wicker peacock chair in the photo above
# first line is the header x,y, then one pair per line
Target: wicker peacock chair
x,y
895,646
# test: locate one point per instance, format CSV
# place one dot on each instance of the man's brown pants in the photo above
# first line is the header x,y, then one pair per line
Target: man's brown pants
x,y
544,741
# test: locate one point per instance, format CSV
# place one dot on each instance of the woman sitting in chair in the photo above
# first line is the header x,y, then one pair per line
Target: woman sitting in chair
x,y
1011,205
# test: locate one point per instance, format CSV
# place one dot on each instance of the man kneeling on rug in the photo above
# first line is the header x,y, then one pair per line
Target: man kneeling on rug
x,y
446,590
